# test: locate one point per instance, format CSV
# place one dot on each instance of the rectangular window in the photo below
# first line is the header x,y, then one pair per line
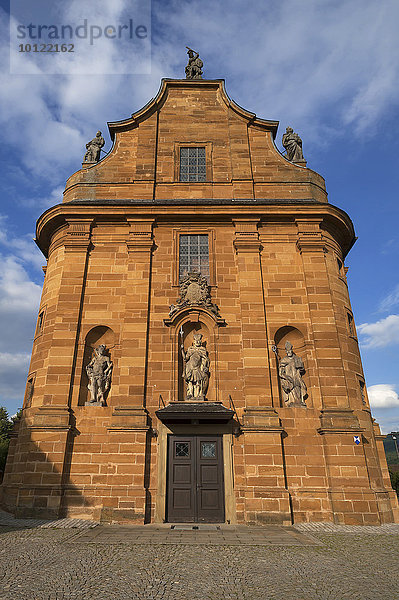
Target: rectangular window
x,y
192,164
193,255
362,391
351,326
29,392
39,325
182,449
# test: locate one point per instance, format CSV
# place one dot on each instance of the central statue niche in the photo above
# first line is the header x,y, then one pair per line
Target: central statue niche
x,y
194,364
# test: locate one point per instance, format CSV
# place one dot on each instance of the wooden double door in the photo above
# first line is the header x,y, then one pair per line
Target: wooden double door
x,y
195,490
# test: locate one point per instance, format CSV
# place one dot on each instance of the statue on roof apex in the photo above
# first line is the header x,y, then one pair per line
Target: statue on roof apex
x,y
94,148
194,66
293,145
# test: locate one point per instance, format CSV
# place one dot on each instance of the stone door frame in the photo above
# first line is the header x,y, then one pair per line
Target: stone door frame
x,y
227,451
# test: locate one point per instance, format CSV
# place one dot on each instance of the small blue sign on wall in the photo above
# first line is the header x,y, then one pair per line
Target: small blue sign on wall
x,y
356,439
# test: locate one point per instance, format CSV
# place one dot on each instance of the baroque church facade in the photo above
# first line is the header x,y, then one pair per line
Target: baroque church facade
x,y
195,357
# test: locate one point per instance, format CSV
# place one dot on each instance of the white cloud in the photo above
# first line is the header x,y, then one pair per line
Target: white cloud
x,y
98,55
326,69
390,247
17,290
19,301
23,248
390,301
384,401
49,118
380,334
53,197
383,395
13,372
333,58
387,418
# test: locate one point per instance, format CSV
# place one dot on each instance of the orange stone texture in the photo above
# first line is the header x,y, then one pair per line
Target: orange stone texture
x,y
276,252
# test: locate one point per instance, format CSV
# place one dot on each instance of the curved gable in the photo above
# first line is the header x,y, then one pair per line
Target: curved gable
x,y
242,160
217,85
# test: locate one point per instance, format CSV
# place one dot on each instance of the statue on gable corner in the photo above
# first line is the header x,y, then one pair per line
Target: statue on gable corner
x,y
196,369
194,66
99,373
94,148
290,372
293,145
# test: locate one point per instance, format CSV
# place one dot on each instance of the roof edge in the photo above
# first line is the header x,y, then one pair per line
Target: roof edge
x,y
153,104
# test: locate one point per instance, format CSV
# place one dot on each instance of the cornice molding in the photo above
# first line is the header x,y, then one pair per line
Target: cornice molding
x,y
217,211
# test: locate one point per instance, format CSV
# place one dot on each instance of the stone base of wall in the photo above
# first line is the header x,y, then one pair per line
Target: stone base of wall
x,y
280,507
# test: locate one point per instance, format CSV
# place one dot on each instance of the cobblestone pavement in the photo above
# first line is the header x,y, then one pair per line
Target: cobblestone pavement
x,y
60,564
331,527
7,519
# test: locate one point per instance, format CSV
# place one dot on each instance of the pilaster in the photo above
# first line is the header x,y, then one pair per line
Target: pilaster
x,y
133,363
311,245
257,385
68,311
266,495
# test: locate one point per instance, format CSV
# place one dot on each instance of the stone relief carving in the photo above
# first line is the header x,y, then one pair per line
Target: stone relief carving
x,y
293,145
99,373
196,369
94,148
194,291
194,66
290,371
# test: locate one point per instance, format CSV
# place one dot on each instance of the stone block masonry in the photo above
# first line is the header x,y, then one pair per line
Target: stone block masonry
x,y
276,250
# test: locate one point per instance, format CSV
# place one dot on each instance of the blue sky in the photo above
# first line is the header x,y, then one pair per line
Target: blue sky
x,y
328,68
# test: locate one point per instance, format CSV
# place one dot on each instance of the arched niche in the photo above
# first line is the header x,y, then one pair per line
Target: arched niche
x,y
289,333
190,323
101,334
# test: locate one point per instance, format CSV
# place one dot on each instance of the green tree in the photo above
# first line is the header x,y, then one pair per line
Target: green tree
x,y
391,447
6,426
394,475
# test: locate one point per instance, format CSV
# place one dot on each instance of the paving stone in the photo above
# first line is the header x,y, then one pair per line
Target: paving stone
x,y
388,528
57,564
6,519
223,535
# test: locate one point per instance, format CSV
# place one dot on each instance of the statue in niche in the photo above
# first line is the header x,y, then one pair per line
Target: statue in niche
x,y
194,66
293,145
195,369
194,291
94,148
290,371
99,373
